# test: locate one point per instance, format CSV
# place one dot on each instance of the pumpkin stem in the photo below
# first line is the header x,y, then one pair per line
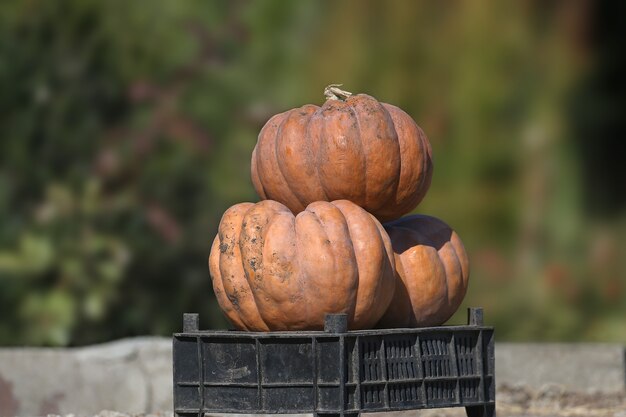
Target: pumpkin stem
x,y
333,92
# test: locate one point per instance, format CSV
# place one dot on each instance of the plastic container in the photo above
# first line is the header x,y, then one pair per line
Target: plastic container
x,y
334,372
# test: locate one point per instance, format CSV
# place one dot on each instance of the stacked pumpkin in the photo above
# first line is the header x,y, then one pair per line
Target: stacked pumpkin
x,y
328,176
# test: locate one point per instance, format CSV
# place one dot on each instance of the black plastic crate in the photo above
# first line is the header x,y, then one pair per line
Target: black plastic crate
x,y
334,372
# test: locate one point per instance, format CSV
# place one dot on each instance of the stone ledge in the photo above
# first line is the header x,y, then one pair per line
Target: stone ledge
x,y
130,375
582,367
134,376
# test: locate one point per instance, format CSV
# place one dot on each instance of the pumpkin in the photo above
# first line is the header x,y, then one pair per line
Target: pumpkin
x,y
353,148
432,271
272,270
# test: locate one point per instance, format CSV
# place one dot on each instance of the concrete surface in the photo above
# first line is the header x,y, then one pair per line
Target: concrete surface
x,y
131,375
134,376
581,367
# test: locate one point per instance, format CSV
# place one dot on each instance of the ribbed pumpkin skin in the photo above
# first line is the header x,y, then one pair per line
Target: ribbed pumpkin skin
x,y
272,270
361,150
432,271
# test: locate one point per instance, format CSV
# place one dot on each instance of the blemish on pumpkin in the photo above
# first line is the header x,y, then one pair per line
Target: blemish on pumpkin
x,y
295,298
234,299
283,276
223,247
253,264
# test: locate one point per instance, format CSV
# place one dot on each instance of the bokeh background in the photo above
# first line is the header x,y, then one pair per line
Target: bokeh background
x,y
126,130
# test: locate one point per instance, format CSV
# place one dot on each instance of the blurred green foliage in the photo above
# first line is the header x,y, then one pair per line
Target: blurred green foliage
x,y
127,129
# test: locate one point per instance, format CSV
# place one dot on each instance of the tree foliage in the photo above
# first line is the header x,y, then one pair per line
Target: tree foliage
x,y
127,129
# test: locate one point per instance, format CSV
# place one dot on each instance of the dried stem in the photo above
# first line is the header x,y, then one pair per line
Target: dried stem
x,y
333,92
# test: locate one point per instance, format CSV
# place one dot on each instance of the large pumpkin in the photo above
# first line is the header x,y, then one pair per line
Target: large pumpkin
x,y
272,270
353,148
432,271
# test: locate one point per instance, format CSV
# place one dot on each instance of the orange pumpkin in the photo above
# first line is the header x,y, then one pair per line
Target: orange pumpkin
x,y
272,270
432,271
353,148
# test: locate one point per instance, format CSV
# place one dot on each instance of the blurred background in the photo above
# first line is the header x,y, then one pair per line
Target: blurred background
x,y
126,130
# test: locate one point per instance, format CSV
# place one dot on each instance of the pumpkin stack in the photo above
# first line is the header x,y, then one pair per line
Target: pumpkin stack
x,y
327,177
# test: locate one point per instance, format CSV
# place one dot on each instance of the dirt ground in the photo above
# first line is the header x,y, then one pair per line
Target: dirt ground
x,y
548,401
553,400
